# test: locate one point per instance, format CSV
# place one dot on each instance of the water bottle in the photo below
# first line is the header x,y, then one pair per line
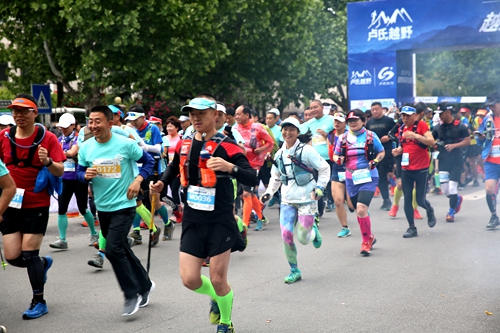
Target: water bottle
x,y
204,156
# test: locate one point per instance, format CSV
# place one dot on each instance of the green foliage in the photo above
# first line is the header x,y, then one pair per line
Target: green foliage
x,y
6,94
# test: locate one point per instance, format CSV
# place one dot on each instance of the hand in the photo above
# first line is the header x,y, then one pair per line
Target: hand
x,y
259,150
265,197
316,194
410,135
320,131
219,164
449,147
397,151
372,164
133,189
340,160
90,173
43,155
156,188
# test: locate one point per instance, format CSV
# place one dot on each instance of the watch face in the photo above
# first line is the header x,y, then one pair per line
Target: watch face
x,y
235,169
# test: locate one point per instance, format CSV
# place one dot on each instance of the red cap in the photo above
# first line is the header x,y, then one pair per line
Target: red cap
x,y
464,110
23,102
352,115
154,120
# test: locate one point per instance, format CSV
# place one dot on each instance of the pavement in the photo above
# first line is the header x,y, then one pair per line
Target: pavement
x,y
444,280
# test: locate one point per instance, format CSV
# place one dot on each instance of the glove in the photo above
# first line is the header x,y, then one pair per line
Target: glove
x,y
265,197
317,193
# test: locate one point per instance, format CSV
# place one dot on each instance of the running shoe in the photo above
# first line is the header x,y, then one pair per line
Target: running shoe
x,y
223,328
345,232
431,218
330,206
372,240
131,305
48,261
365,248
178,213
316,220
411,232
294,276
416,214
317,241
206,262
394,211
156,236
96,261
392,190
450,217
168,232
265,220
386,205
461,186
459,204
253,217
145,296
86,225
96,244
494,222
143,225
93,239
130,240
271,202
259,226
244,234
437,191
60,244
475,184
3,329
377,192
214,314
35,310
136,235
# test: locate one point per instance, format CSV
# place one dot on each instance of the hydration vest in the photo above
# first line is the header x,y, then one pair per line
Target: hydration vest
x,y
450,135
414,129
28,162
301,173
206,177
370,152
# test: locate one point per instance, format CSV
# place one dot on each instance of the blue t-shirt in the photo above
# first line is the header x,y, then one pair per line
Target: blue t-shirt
x,y
115,161
151,136
318,141
3,169
276,130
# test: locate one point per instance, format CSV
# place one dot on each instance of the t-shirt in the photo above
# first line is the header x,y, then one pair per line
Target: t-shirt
x,y
276,130
381,127
452,134
494,156
171,149
418,156
356,153
114,129
25,178
151,136
115,162
3,169
70,163
318,141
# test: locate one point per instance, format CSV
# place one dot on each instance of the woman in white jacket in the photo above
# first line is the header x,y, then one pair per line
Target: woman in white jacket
x,y
294,166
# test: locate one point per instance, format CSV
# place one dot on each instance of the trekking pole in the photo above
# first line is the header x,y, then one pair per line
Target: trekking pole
x,y
151,223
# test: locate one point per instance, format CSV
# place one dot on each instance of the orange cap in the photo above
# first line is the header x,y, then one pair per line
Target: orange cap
x,y
23,102
482,112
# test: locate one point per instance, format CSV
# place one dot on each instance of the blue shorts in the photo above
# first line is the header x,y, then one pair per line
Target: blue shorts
x,y
352,189
334,176
491,171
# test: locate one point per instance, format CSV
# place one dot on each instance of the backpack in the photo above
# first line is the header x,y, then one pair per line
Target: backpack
x,y
28,162
454,133
414,129
370,152
301,173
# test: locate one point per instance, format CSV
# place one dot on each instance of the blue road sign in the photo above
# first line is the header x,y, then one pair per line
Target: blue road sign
x,y
41,92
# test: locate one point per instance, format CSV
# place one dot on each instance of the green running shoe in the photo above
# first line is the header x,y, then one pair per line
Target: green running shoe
x,y
317,241
294,276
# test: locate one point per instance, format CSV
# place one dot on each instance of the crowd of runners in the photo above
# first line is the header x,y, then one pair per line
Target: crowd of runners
x,y
124,168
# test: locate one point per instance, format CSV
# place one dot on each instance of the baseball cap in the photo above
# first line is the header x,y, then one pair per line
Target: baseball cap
x,y
492,98
23,102
275,111
7,119
339,116
183,118
443,107
137,108
116,110
199,104
463,110
66,120
221,108
291,121
409,110
356,114
154,120
134,115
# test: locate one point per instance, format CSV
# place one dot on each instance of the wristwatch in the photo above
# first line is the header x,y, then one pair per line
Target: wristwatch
x,y
50,163
234,170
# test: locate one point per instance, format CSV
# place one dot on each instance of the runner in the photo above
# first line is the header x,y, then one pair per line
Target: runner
x,y
108,161
295,162
415,139
472,152
490,140
30,153
452,136
209,228
361,151
71,185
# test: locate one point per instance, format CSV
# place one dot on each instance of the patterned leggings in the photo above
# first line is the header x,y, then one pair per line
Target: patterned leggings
x,y
290,215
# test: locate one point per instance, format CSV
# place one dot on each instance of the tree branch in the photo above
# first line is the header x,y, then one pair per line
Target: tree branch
x,y
54,70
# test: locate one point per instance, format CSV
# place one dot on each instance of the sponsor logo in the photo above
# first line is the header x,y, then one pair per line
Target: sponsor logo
x,y
386,74
491,23
394,27
361,79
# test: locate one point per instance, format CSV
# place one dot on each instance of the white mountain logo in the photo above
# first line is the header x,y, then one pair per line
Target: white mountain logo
x,y
381,18
358,75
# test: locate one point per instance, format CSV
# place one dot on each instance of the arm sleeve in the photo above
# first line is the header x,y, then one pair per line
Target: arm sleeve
x,y
274,181
80,173
338,145
173,168
148,164
153,149
317,162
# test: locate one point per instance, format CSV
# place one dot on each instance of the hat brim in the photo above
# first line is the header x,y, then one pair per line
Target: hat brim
x,y
342,119
188,108
63,125
409,113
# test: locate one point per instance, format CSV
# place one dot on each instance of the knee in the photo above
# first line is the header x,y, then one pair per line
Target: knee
x,y
302,236
339,201
287,236
218,282
17,262
190,281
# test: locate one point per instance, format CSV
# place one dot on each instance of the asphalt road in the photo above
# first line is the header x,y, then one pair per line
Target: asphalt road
x,y
441,281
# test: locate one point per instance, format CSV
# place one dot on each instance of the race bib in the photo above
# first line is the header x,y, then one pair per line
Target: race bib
x,y
201,198
69,165
495,151
17,200
341,176
444,176
108,168
319,140
405,161
361,176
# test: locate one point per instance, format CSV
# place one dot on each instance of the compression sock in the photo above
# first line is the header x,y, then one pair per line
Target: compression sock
x,y
226,307
239,222
102,241
491,199
206,287
247,210
137,221
365,226
453,200
414,198
90,221
36,271
397,196
145,215
62,225
164,214
437,181
257,206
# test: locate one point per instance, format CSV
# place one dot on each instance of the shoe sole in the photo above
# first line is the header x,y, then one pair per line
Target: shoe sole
x,y
58,248
153,286
344,236
365,253
25,316
290,282
139,300
411,236
94,265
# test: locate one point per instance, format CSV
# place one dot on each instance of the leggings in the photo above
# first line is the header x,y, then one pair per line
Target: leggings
x,y
175,188
80,190
408,179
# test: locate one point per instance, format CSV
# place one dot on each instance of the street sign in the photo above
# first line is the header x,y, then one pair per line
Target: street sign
x,y
41,92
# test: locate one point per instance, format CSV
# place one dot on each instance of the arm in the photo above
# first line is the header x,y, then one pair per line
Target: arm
x,y
148,164
274,185
55,168
8,191
73,152
152,149
268,145
427,138
245,175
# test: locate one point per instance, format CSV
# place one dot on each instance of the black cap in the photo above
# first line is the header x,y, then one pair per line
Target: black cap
x,y
492,98
136,108
444,106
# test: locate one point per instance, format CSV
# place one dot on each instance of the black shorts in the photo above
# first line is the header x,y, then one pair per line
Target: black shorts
x,y
455,170
26,220
204,240
473,151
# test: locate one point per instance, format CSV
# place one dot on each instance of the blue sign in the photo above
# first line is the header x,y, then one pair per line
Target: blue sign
x,y
424,24
41,92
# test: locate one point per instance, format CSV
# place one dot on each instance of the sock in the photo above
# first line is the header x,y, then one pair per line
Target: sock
x,y
164,214
36,271
62,225
437,181
453,201
257,206
491,199
397,196
137,221
365,227
414,198
102,241
101,253
90,221
145,215
239,222
206,288
247,210
226,307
